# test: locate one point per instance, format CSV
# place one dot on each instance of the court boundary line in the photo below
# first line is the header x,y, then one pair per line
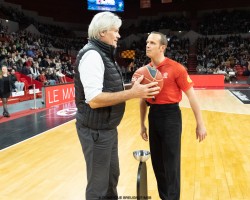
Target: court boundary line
x,y
219,111
227,90
35,136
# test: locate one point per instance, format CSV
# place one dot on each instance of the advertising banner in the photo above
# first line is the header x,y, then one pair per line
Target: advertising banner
x,y
58,94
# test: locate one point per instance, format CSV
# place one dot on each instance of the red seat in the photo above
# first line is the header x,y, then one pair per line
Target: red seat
x,y
26,84
18,77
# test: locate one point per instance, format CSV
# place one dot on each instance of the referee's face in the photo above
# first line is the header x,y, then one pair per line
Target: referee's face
x,y
153,47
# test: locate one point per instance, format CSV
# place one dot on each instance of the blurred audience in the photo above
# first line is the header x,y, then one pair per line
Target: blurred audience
x,y
36,55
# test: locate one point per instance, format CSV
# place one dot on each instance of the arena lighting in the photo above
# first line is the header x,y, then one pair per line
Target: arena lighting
x,y
7,20
179,31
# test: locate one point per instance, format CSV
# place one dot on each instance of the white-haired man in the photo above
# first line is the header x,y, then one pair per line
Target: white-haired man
x,y
100,98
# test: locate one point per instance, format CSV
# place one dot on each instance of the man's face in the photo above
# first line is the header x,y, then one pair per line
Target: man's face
x,y
110,37
4,69
153,46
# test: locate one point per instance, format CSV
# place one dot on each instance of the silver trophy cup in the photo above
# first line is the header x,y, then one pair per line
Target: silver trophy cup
x,y
142,186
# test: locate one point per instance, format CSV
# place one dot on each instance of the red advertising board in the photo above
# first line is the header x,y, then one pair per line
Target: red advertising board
x,y
208,80
58,94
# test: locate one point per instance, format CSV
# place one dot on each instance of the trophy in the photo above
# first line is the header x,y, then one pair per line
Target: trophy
x,y
142,186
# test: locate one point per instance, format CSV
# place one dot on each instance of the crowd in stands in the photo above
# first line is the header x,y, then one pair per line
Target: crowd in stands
x,y
214,55
178,50
52,35
225,22
24,21
174,23
30,54
223,55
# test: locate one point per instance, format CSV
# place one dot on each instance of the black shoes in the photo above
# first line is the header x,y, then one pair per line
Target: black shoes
x,y
6,114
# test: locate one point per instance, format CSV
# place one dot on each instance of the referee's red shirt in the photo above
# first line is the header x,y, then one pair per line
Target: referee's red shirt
x,y
175,80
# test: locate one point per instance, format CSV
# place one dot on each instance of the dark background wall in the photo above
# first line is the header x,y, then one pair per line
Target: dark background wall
x,y
75,11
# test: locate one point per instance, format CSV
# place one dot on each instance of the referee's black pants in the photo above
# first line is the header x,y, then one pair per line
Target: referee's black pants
x,y
165,127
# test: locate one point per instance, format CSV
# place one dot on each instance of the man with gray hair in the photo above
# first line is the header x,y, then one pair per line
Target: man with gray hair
x,y
100,100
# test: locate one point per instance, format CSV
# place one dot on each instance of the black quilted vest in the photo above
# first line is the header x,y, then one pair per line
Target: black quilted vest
x,y
106,117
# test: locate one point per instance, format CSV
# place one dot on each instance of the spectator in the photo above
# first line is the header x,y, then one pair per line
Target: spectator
x,y
6,86
43,78
26,71
61,76
19,85
247,72
50,77
35,70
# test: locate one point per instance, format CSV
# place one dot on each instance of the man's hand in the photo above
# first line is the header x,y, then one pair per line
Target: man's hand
x,y
144,134
201,133
149,90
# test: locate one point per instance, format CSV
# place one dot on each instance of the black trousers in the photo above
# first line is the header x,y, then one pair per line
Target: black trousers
x,y
100,149
165,127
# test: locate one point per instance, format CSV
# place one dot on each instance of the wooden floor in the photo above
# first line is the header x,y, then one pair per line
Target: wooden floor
x,y
51,166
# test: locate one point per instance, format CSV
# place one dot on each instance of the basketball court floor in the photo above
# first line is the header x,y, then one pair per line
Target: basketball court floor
x,y
41,157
